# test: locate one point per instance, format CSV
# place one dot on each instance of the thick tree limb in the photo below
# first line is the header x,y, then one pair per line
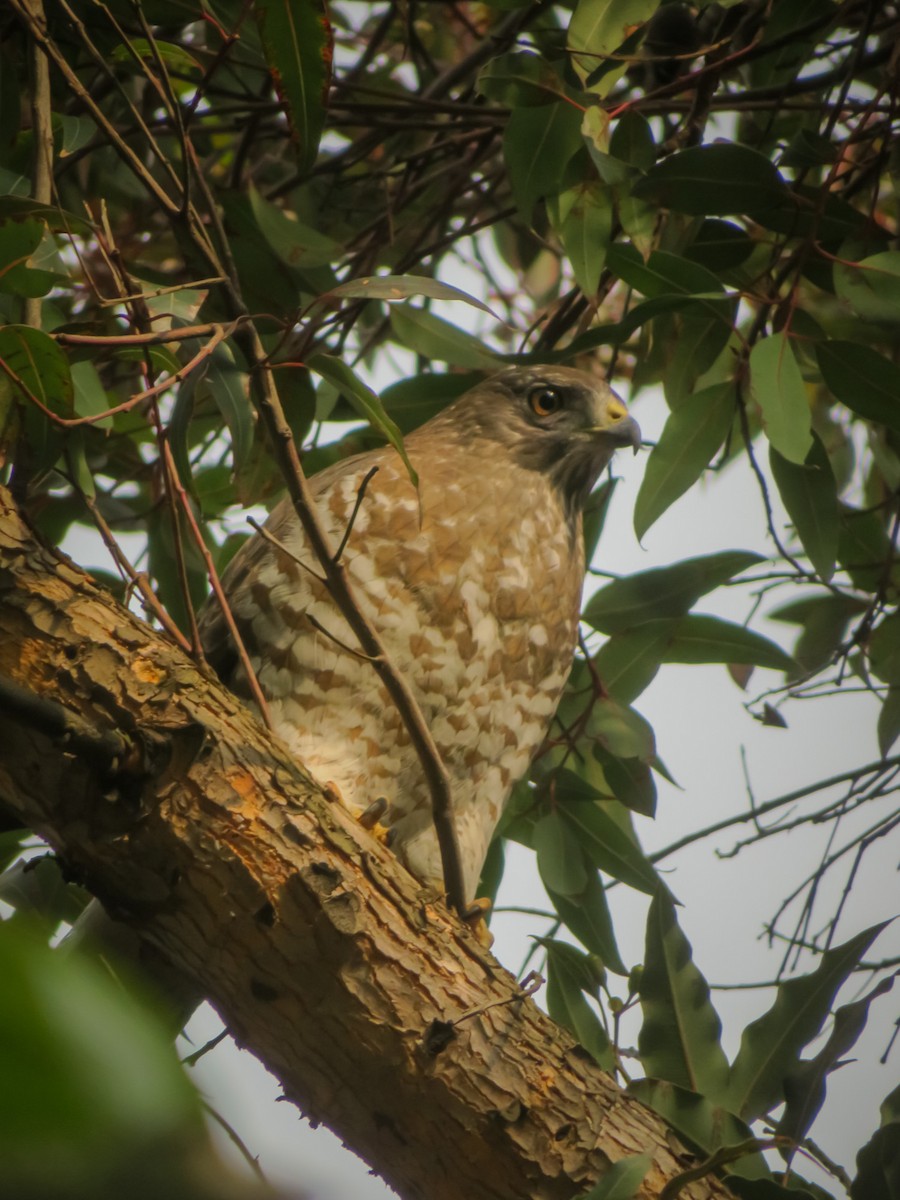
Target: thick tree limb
x,y
373,1005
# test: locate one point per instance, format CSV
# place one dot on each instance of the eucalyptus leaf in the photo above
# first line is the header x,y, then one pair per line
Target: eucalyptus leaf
x,y
771,1045
297,42
664,591
810,497
691,436
680,1037
777,389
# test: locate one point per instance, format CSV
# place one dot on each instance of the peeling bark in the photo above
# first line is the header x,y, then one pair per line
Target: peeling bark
x,y
373,1005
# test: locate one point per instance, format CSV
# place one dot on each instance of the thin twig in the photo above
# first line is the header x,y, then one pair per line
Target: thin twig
x,y
216,584
361,491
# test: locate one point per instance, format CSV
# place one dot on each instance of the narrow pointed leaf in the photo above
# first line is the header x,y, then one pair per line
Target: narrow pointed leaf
x,y
805,1086
680,1038
622,1180
363,399
608,845
702,1122
560,858
863,380
663,591
520,79
401,287
771,1045
434,338
871,287
691,436
40,366
810,497
598,27
628,662
630,780
537,145
569,973
297,42
587,917
777,388
229,388
702,639
584,222
878,1162
713,180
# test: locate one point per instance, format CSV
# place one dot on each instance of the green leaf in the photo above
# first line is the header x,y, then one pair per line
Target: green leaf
x,y
805,1086
363,399
771,1045
41,367
89,396
777,388
694,345
401,287
417,399
664,274
582,217
621,730
587,917
823,623
702,1122
295,243
628,661
889,721
630,780
878,1162
91,1081
598,28
172,55
810,497
871,287
664,591
622,1180
607,843
864,549
537,146
18,242
520,79
57,220
713,180
884,649
297,42
631,139
720,246
434,338
863,380
228,386
680,1038
691,436
559,856
569,975
701,639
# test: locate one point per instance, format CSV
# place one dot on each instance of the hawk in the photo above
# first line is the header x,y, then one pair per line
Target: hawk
x,y
474,584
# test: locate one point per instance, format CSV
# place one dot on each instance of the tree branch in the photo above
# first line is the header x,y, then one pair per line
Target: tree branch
x,y
322,954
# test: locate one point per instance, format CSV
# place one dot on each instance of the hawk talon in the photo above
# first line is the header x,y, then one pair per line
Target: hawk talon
x,y
476,918
370,818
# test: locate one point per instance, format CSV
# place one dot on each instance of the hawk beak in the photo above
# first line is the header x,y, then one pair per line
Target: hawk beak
x,y
617,426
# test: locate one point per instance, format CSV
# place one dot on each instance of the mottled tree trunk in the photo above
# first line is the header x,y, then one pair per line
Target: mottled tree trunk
x,y
378,1012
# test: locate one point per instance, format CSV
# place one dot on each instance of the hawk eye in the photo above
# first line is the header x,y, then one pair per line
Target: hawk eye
x,y
545,400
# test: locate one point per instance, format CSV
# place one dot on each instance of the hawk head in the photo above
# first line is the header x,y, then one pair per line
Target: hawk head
x,y
556,420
